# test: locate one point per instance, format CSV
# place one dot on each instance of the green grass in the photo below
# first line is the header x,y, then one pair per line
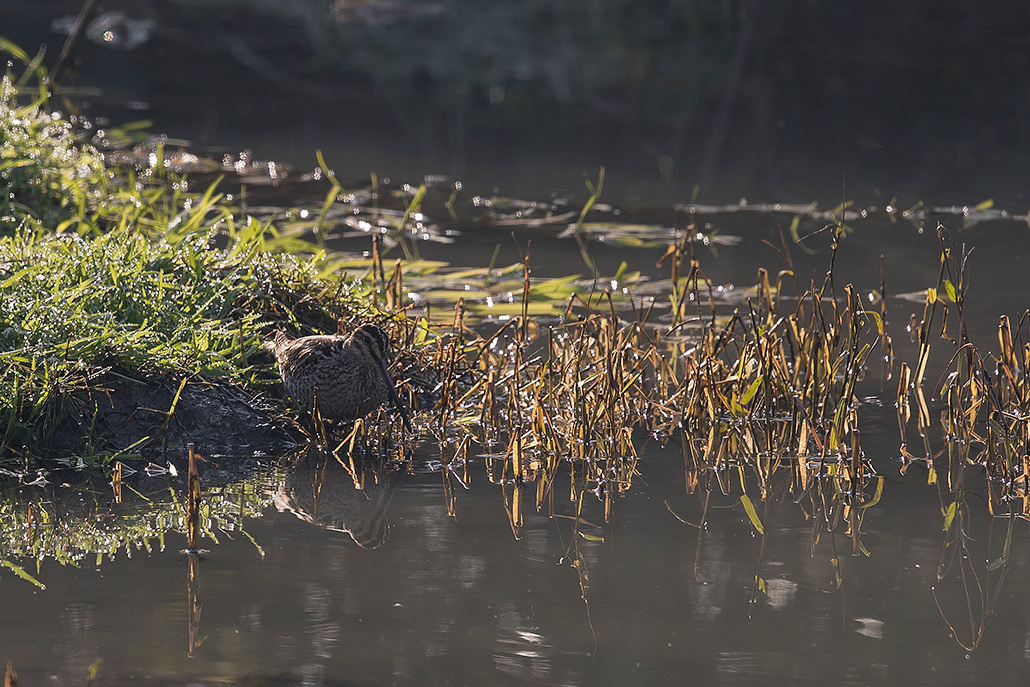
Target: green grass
x,y
47,178
123,270
76,307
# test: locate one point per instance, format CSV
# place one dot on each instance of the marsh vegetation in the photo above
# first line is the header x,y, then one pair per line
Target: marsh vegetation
x,y
138,283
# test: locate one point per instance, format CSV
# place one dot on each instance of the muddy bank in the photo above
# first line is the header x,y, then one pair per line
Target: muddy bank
x,y
157,417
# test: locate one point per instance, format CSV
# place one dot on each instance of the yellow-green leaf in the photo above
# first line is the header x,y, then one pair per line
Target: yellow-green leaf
x,y
22,573
879,320
751,390
876,495
950,288
750,508
949,514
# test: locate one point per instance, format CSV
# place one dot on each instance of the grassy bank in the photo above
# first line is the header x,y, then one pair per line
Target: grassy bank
x,y
121,272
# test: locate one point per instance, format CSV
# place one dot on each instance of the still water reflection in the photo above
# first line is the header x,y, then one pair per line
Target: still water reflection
x,y
316,492
314,593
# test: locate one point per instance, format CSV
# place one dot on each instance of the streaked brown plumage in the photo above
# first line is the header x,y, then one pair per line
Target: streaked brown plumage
x,y
346,374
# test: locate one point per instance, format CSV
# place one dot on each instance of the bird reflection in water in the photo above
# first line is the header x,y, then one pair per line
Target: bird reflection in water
x,y
333,492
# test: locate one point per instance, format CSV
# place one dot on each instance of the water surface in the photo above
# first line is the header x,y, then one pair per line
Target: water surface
x,y
457,600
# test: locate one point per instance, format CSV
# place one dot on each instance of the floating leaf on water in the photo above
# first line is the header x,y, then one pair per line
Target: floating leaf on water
x,y
480,273
452,295
559,288
498,309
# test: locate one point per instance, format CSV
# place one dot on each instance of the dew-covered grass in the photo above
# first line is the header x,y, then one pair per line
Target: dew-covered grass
x,y
113,271
48,179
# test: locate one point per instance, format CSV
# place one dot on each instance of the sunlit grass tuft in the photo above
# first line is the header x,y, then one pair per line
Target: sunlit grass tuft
x,y
47,179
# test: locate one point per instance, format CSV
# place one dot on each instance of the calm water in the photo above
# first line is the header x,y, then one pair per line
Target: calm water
x,y
458,600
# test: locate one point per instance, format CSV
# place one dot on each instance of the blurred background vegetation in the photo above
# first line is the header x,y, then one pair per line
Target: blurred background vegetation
x,y
771,99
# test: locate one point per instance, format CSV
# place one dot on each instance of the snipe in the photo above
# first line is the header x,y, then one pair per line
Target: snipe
x,y
345,375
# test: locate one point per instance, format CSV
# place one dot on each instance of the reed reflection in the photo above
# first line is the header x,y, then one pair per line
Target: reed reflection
x,y
193,604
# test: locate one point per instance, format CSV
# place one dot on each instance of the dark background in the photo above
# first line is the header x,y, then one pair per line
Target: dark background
x,y
780,100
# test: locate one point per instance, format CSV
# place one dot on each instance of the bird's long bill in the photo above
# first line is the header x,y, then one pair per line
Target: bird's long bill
x,y
394,398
